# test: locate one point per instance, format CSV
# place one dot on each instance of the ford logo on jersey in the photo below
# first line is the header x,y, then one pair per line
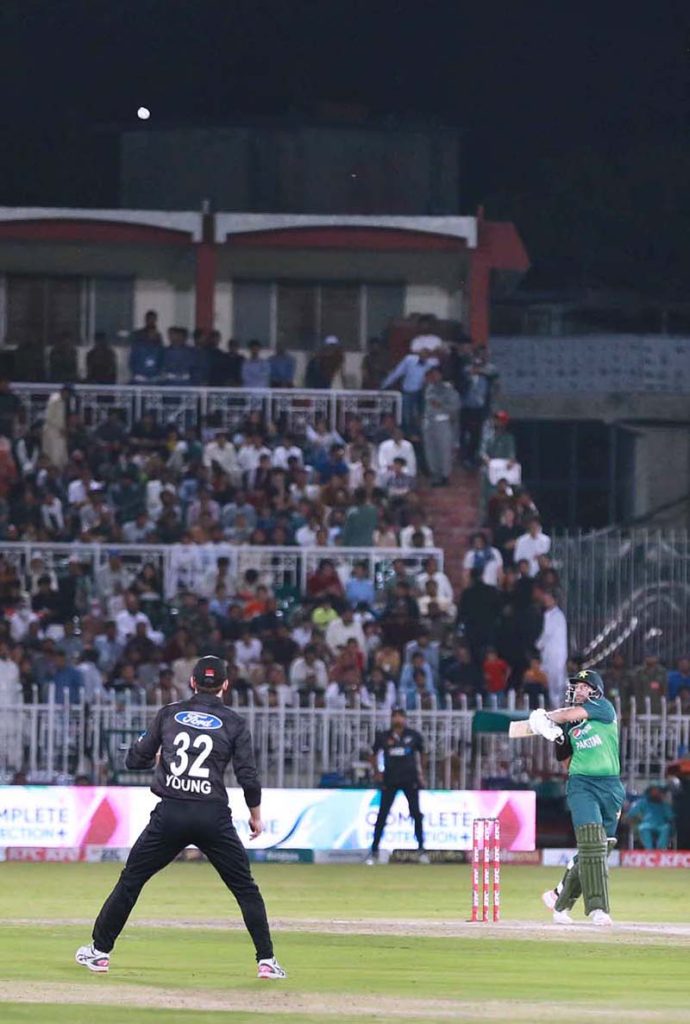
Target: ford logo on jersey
x,y
198,720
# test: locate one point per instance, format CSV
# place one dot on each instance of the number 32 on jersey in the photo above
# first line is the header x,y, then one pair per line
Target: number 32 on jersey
x,y
187,770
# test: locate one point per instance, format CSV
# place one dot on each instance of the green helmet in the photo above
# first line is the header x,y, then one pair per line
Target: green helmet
x,y
592,679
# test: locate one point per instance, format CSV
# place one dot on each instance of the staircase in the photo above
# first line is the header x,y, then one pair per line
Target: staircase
x,y
453,514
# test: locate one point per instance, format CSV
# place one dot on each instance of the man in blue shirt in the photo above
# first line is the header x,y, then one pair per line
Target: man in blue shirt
x,y
472,415
255,370
67,679
679,677
411,371
332,466
359,589
281,368
146,351
654,817
407,688
178,358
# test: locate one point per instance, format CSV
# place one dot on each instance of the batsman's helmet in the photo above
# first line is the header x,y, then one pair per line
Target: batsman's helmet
x,y
591,679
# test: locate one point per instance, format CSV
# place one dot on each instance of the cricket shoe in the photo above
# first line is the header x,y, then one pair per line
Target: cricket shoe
x,y
92,958
270,969
600,917
549,899
372,859
424,857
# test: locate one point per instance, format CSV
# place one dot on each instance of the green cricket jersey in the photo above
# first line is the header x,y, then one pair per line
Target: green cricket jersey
x,y
595,741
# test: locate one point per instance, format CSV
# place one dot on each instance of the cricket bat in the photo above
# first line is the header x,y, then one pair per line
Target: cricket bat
x,y
519,730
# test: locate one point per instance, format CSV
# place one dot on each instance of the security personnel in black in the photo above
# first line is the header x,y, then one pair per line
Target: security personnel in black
x,y
191,743
403,750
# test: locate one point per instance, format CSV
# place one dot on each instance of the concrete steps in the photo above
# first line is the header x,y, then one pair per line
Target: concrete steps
x,y
453,514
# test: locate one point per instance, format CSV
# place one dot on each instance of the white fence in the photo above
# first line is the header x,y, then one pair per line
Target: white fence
x,y
305,747
292,408
184,566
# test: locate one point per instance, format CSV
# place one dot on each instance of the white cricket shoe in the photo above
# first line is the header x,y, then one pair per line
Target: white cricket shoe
x,y
92,958
549,898
424,857
372,859
600,917
270,969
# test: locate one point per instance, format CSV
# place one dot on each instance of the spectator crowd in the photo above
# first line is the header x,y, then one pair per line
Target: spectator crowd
x,y
398,635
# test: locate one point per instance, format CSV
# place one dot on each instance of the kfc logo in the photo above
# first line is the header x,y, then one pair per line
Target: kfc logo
x,y
655,858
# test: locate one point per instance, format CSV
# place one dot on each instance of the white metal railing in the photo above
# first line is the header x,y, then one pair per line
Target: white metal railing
x,y
624,588
185,566
183,407
302,747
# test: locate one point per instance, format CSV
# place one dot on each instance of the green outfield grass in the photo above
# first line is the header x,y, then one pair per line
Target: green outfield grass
x,y
193,891
196,975
71,1014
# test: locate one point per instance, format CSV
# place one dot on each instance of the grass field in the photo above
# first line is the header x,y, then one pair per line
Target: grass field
x,y
383,944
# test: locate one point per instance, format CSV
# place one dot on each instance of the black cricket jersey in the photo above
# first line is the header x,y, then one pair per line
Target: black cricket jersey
x,y
400,761
197,739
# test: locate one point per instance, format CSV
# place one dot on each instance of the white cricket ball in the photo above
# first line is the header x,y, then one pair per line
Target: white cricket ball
x,y
143,113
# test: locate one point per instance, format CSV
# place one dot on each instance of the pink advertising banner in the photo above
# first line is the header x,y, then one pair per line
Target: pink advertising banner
x,y
54,817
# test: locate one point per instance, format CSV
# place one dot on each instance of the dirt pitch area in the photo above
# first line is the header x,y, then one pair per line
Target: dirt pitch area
x,y
625,933
101,992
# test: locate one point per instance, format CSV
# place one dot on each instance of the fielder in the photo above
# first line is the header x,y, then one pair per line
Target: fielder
x,y
191,743
595,793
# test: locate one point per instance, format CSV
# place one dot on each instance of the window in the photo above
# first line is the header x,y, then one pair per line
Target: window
x,y
41,308
113,307
297,312
252,311
340,314
385,302
301,313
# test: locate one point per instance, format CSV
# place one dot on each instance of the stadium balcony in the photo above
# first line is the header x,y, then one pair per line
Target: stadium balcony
x,y
184,407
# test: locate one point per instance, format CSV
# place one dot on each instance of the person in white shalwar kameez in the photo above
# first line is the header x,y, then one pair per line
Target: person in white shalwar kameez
x,y
11,716
54,435
553,648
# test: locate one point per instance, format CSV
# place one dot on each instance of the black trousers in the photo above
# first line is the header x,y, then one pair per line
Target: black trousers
x,y
411,792
174,825
471,421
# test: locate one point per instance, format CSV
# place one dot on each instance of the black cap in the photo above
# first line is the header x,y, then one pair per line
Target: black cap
x,y
210,672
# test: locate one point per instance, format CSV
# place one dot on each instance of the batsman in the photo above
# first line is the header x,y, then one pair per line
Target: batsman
x,y
586,735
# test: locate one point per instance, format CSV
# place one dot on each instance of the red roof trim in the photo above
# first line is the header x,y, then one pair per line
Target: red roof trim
x,y
46,230
503,245
382,239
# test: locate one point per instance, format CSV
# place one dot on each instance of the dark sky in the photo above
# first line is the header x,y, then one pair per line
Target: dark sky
x,y
533,85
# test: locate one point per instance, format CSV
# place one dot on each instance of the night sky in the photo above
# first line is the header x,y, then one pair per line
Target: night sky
x,y
575,116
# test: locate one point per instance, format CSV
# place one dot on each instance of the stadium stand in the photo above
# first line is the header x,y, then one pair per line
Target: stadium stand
x,y
293,532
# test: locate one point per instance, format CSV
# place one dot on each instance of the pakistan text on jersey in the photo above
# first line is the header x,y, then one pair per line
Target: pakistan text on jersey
x,y
591,741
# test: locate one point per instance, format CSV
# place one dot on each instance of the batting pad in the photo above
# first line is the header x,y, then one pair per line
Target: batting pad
x,y
593,848
570,888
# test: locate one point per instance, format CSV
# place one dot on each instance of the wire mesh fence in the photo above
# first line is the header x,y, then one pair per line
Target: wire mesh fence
x,y
627,591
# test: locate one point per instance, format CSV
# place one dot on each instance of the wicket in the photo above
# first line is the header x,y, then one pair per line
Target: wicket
x,y
486,860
